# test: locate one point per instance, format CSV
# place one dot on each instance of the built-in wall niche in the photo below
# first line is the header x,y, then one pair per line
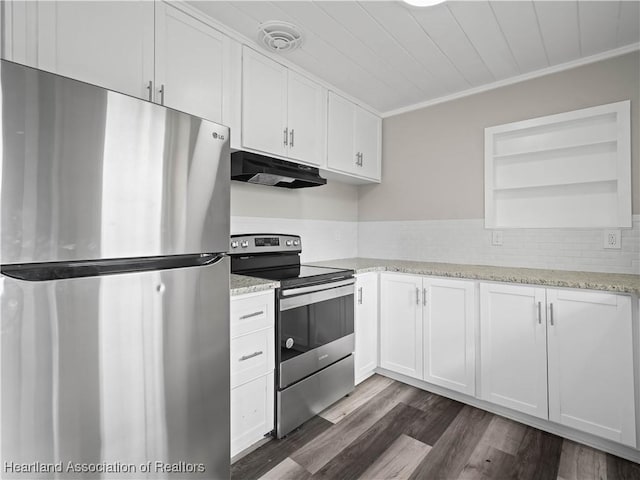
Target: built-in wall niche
x,y
567,170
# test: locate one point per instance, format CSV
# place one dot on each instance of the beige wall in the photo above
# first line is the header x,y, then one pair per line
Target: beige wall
x,y
433,158
333,201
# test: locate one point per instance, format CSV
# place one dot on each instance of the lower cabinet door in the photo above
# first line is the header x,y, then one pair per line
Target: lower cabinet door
x,y
513,346
591,363
251,412
401,324
366,326
449,333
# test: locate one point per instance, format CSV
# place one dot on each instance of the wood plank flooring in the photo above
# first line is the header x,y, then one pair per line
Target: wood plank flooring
x,y
388,430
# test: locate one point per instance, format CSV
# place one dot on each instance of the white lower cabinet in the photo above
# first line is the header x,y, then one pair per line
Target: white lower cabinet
x,y
591,363
449,318
401,324
427,329
513,346
572,347
252,369
366,326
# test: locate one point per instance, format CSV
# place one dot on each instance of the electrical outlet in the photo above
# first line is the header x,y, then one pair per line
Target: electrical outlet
x,y
612,239
496,238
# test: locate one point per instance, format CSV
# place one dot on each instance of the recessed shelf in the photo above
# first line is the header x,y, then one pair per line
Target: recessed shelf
x,y
532,155
611,182
567,170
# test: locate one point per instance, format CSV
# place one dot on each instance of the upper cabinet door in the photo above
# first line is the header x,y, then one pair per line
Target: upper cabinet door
x,y
367,142
190,61
513,347
591,363
264,104
341,130
109,44
307,114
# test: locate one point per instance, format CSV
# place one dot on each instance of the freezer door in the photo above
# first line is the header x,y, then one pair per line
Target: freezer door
x,y
116,377
88,174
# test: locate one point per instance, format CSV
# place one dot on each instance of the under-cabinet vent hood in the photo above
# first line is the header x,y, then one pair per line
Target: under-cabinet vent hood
x,y
255,168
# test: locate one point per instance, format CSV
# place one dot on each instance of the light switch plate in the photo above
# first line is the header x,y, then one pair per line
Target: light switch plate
x,y
496,238
612,239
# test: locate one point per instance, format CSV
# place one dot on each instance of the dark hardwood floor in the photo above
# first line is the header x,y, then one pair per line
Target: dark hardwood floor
x,y
389,430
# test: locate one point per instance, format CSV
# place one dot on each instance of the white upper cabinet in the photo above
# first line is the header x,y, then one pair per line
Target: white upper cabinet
x,y
264,104
591,363
190,64
353,138
150,50
307,120
513,346
283,113
567,170
109,44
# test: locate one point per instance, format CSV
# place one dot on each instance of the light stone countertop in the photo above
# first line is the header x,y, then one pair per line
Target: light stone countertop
x,y
612,282
241,284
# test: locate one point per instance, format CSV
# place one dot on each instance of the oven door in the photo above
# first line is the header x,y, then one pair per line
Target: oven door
x,y
315,328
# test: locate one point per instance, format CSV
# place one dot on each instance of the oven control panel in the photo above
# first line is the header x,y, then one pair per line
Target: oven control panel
x,y
264,243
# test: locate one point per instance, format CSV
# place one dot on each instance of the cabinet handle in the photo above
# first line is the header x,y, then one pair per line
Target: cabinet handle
x,y
417,296
150,88
358,158
291,143
361,159
161,94
551,313
249,315
360,296
251,355
286,137
540,313
424,297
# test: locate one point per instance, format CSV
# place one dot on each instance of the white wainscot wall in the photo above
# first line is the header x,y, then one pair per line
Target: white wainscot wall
x,y
321,239
467,241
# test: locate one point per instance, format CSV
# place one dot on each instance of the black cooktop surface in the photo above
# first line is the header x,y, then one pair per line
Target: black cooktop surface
x,y
300,274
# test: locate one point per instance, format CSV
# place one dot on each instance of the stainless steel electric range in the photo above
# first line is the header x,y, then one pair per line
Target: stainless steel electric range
x,y
314,325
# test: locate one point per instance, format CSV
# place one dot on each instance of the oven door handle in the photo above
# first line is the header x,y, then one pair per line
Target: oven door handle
x,y
316,288
316,296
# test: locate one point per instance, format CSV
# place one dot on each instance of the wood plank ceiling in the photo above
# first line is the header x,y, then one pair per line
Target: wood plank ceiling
x,y
390,55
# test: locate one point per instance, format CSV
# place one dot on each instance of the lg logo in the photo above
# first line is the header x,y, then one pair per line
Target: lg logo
x,y
216,136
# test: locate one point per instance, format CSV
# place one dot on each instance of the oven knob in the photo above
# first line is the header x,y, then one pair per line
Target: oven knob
x,y
234,244
288,243
244,244
289,342
296,243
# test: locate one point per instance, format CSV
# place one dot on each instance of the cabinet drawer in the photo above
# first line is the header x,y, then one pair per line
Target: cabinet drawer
x,y
251,356
251,313
251,413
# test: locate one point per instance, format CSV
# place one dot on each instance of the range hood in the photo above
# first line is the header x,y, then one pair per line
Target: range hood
x,y
263,170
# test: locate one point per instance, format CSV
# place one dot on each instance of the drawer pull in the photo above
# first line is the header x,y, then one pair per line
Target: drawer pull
x,y
250,315
247,357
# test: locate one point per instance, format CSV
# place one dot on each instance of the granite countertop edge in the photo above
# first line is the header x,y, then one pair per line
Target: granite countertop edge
x,y
242,284
612,282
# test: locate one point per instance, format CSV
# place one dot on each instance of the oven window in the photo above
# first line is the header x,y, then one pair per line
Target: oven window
x,y
309,326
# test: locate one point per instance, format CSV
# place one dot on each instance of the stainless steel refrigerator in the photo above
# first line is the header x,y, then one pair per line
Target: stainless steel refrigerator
x,y
114,334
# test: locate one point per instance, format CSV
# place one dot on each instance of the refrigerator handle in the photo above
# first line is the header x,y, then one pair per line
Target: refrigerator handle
x,y
41,272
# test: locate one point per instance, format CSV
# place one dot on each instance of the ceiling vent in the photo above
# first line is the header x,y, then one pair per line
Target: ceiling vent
x,y
280,37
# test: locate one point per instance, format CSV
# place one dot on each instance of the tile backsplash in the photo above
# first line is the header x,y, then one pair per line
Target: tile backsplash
x,y
321,239
455,241
467,241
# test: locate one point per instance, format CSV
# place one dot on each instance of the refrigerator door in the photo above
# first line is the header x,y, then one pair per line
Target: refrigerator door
x,y
116,377
86,173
